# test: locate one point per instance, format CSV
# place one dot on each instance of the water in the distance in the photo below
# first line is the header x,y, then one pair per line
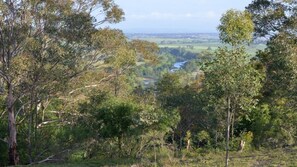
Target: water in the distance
x,y
177,65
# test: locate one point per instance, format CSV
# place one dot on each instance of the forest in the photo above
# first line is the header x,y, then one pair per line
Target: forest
x,y
75,93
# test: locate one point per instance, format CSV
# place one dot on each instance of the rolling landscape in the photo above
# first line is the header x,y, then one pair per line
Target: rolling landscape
x,y
77,90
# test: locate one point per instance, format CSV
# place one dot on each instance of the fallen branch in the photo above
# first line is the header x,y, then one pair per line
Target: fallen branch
x,y
53,121
50,158
40,154
45,123
45,160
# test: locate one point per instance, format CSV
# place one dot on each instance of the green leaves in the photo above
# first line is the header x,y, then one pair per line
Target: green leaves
x,y
123,120
271,17
236,27
113,14
231,82
231,72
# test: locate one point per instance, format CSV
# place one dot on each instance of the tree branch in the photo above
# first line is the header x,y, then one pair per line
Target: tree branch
x,y
2,114
52,121
94,85
50,158
45,160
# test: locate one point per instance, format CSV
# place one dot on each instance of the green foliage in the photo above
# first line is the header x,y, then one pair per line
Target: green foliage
x,y
191,66
271,126
44,45
279,61
124,121
181,54
260,123
271,17
115,118
203,138
168,84
50,48
3,143
276,20
247,138
236,27
274,157
231,73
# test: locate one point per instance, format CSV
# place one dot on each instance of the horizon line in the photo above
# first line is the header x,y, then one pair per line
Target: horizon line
x,y
171,32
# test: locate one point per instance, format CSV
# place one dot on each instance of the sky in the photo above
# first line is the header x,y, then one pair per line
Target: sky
x,y
174,16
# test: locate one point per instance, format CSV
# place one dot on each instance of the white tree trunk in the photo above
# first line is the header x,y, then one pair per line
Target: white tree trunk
x,y
228,132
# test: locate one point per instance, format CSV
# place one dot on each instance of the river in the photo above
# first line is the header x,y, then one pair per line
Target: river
x,y
177,65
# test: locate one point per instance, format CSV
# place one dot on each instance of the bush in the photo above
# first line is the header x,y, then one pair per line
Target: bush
x,y
202,139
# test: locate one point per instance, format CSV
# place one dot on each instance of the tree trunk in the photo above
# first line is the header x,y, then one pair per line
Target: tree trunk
x,y
116,84
120,145
216,139
188,144
232,119
155,155
228,131
29,138
241,145
12,142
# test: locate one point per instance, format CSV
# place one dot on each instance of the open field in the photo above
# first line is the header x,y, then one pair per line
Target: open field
x,y
195,43
199,47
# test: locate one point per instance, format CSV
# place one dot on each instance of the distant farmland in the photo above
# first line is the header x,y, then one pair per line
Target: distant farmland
x,y
195,43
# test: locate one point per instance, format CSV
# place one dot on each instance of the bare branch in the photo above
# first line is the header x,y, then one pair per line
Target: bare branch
x,y
45,160
50,158
2,114
94,85
52,121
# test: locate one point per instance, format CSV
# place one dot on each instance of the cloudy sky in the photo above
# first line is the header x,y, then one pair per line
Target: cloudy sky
x,y
174,16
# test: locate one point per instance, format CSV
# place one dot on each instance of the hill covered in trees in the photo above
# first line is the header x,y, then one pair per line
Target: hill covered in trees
x,y
74,93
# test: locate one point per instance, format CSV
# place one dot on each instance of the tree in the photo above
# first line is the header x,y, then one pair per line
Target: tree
x,y
230,79
50,35
114,118
117,57
236,27
271,17
108,117
187,100
277,21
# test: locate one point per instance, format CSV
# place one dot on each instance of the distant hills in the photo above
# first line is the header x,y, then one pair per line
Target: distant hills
x,y
173,35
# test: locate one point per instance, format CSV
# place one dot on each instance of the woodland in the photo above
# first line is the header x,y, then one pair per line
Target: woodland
x,y
73,92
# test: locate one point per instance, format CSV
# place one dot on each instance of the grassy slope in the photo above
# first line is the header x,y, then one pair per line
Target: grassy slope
x,y
277,157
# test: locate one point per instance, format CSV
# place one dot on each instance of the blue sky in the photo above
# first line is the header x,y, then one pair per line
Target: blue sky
x,y
174,16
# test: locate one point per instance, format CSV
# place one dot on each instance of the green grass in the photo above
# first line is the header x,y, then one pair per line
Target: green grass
x,y
199,44
199,47
123,162
202,158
